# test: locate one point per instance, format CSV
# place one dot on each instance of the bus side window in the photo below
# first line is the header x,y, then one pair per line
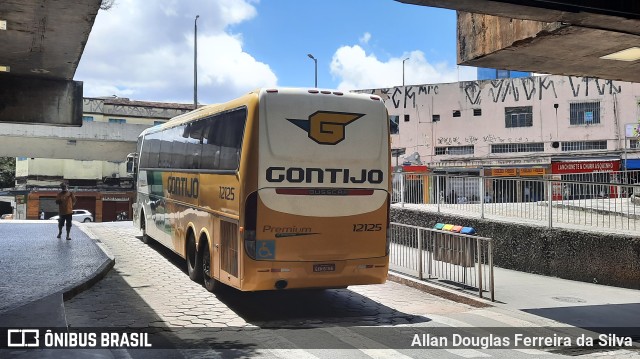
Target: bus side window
x,y
210,144
178,148
193,139
231,139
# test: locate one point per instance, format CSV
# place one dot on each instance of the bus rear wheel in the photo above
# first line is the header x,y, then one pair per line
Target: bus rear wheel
x,y
143,227
210,283
194,259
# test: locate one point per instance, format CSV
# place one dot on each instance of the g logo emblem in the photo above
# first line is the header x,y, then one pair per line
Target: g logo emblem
x,y
325,127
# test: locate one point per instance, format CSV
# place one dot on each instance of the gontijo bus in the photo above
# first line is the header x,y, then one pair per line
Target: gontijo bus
x,y
281,188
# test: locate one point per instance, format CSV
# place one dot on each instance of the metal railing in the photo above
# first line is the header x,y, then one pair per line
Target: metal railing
x,y
548,201
454,258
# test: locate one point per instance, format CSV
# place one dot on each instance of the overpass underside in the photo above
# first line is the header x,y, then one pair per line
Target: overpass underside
x,y
561,37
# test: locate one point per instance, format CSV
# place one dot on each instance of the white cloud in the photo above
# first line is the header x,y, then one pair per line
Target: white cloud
x,y
365,38
144,50
358,70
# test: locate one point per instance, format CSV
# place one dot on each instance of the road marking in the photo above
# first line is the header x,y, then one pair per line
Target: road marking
x,y
369,346
468,353
532,351
287,353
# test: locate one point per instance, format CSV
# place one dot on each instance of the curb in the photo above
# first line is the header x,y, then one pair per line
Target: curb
x,y
439,291
97,275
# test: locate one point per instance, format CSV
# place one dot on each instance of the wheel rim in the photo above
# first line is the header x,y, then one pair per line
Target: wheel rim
x,y
191,253
206,261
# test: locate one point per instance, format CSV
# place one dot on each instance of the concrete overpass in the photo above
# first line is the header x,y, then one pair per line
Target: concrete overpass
x,y
100,141
562,37
41,43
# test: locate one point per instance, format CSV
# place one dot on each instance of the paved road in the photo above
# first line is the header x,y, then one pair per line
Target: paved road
x,y
148,288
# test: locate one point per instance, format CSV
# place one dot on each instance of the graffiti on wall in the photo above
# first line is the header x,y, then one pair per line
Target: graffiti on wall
x,y
580,86
472,140
501,90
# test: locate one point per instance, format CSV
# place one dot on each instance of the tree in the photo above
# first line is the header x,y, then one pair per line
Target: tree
x,y
7,172
107,4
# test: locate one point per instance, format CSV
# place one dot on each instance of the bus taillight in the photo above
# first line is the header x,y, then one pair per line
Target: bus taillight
x,y
250,223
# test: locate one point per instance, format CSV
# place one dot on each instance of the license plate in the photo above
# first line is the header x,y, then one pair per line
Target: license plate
x,y
327,267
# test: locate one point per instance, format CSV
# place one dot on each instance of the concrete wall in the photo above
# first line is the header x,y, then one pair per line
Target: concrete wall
x,y
609,259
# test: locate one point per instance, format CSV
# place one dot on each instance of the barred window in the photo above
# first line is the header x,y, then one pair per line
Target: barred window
x,y
584,113
517,147
634,144
584,145
521,116
477,112
455,150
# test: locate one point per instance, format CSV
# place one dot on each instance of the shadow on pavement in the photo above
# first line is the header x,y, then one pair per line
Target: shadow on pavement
x,y
620,319
338,307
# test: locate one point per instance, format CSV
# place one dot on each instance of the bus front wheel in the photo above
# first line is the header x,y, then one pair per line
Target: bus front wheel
x,y
210,283
194,259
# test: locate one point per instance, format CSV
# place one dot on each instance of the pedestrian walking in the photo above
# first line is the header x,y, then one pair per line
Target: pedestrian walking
x,y
65,201
41,214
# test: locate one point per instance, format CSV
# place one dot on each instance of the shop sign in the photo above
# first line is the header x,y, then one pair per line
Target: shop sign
x,y
585,166
114,199
503,172
525,172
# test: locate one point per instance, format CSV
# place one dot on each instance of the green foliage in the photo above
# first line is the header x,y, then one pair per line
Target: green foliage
x,y
7,172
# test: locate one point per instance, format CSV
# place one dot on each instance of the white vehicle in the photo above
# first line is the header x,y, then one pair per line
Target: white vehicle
x,y
80,215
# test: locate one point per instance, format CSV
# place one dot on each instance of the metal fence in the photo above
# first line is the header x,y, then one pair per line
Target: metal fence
x,y
548,201
454,258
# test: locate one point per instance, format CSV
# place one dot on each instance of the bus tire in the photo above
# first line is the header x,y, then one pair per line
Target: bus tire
x,y
194,259
143,227
210,283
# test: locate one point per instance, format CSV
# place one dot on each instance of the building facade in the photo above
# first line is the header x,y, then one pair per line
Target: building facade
x,y
572,128
102,187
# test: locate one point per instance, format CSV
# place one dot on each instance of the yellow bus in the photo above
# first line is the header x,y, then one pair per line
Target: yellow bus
x,y
279,189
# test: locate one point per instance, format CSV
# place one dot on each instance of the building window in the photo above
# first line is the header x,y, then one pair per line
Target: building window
x,y
456,113
584,145
477,112
87,118
455,150
518,147
394,125
634,144
406,118
518,116
584,113
117,120
435,118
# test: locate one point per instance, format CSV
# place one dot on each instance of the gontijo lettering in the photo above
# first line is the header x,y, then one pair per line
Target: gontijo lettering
x,y
323,175
183,186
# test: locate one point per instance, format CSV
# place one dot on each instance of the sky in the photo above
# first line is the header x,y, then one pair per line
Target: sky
x,y
144,50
